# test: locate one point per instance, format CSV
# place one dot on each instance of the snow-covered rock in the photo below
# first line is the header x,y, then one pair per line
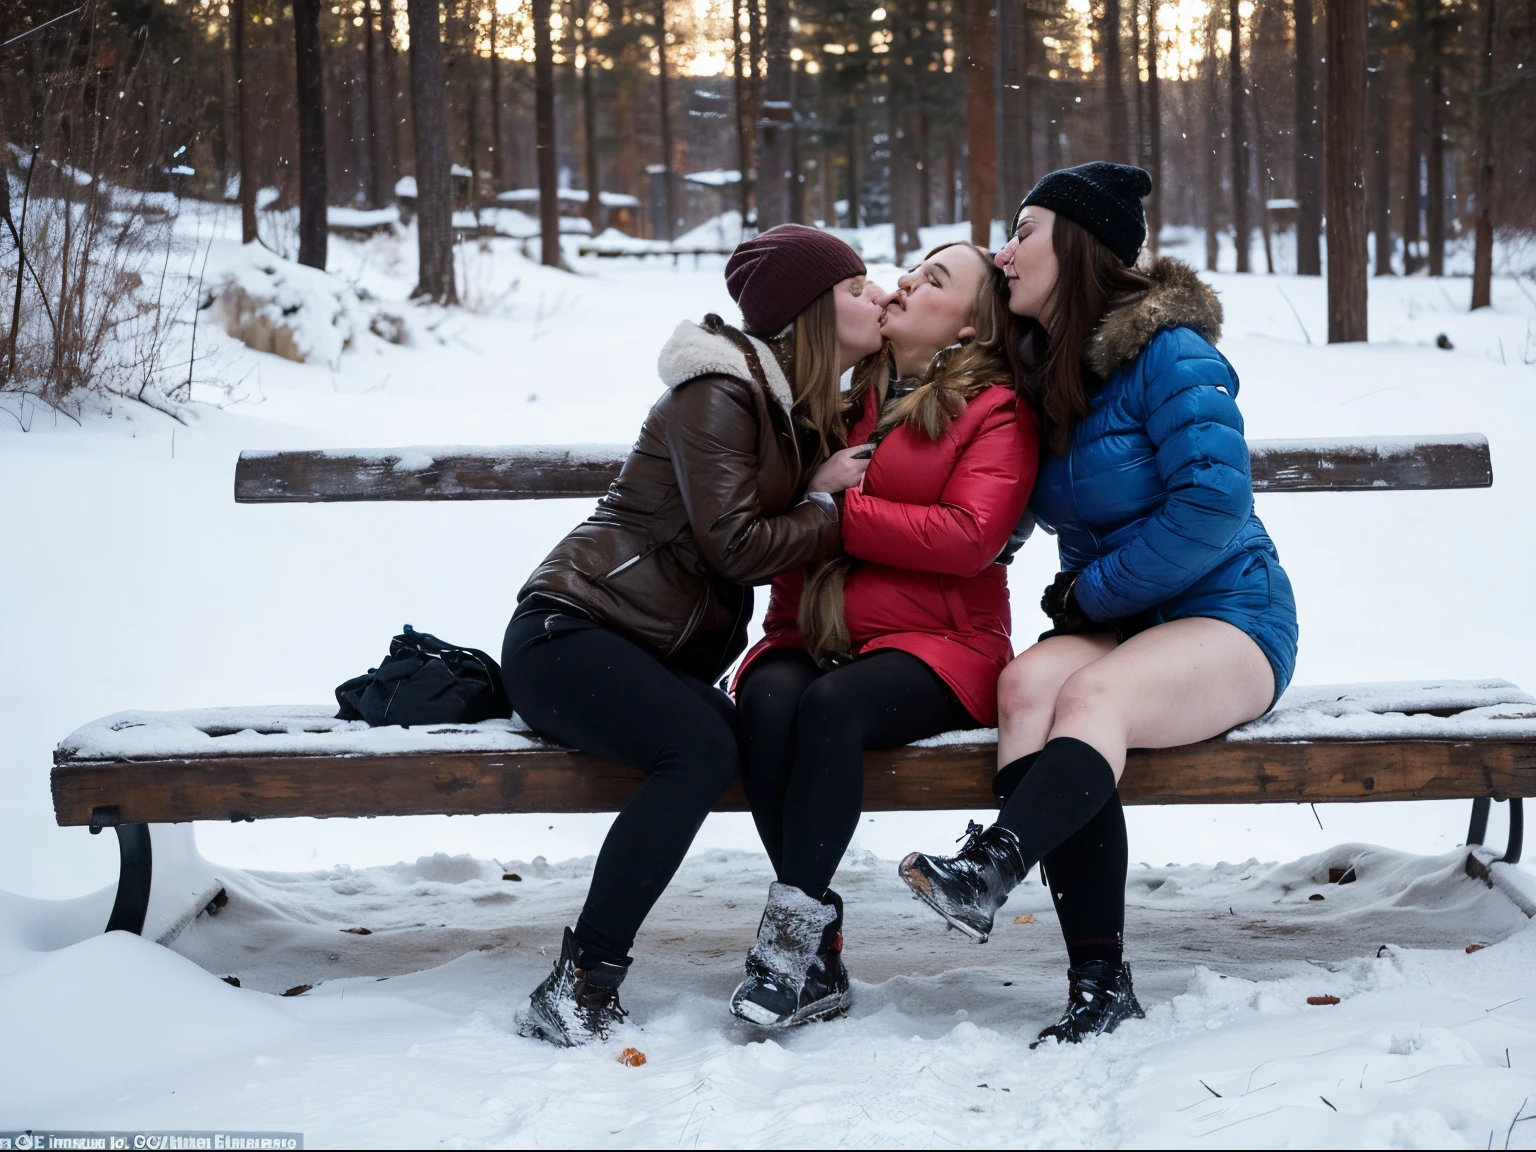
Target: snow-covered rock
x,y
279,306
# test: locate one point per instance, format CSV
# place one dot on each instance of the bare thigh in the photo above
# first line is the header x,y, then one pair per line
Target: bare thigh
x,y
1027,690
1175,684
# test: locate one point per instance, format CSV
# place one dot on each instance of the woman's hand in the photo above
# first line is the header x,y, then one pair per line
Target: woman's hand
x,y
841,470
1060,603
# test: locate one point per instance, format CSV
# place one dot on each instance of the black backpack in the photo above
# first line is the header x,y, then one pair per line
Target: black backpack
x,y
426,681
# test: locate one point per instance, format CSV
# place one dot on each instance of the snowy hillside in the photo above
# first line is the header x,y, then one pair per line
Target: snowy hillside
x,y
136,582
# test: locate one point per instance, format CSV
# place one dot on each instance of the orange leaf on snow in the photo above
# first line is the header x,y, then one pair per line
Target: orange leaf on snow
x,y
1476,947
632,1057
1027,918
1322,999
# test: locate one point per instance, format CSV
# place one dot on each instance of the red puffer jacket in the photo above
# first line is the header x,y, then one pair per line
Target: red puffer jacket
x,y
928,522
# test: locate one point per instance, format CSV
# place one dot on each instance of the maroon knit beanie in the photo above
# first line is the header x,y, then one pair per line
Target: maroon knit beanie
x,y
776,275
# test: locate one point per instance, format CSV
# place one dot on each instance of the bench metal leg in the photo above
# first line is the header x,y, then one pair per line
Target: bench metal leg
x,y
1477,830
135,869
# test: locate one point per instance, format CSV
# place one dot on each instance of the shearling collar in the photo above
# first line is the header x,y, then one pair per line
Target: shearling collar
x,y
712,348
1178,299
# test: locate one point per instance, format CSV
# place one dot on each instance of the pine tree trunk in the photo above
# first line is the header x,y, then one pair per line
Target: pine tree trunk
x,y
664,113
1139,122
311,101
472,136
390,114
595,212
743,136
951,180
1114,82
925,173
981,118
498,138
378,189
1154,130
248,176
755,100
855,176
544,126
776,121
1413,191
1482,251
1242,159
434,183
1380,149
1026,165
1344,164
796,174
1309,175
1435,216
1212,157
1010,39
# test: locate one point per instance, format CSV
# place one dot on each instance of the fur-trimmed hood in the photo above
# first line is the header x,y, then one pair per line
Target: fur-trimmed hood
x,y
713,348
1178,298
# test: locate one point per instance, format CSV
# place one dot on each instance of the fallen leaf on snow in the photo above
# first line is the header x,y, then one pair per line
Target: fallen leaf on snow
x,y
631,1057
1027,918
1476,947
1322,999
298,990
359,931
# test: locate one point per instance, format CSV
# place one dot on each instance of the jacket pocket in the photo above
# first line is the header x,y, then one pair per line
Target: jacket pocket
x,y
958,612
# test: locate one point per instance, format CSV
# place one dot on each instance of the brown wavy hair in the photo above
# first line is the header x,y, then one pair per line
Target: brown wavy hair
x,y
811,357
954,377
1091,282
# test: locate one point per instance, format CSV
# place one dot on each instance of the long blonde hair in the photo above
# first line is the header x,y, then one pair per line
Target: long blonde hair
x,y
954,377
817,358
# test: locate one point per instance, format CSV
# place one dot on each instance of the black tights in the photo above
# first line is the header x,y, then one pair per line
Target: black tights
x,y
804,732
587,686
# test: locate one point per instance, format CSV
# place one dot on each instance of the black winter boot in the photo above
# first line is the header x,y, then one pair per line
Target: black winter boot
x,y
1100,996
969,887
795,971
577,1003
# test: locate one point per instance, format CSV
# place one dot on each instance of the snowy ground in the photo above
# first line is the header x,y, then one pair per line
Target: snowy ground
x,y
138,583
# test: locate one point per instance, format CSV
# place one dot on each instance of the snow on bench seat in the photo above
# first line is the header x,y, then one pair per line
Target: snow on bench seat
x,y
1408,710
1440,740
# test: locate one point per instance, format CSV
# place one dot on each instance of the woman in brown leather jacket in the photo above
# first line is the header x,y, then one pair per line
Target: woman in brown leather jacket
x,y
621,632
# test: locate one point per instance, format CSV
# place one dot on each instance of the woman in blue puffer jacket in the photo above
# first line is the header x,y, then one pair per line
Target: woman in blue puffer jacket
x,y
1173,618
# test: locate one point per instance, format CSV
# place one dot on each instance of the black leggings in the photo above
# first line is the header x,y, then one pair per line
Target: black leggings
x,y
581,684
804,732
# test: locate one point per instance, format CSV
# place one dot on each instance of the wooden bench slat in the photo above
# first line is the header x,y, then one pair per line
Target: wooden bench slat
x,y
902,779
533,472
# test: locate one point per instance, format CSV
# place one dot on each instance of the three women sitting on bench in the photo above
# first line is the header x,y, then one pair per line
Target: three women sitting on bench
x,y
883,517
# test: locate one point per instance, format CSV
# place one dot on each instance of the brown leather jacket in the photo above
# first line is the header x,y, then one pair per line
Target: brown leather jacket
x,y
708,503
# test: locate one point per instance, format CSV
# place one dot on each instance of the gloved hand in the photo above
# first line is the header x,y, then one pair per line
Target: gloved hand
x,y
1059,602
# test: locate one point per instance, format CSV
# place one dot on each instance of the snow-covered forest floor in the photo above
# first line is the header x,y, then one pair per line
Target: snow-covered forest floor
x,y
135,581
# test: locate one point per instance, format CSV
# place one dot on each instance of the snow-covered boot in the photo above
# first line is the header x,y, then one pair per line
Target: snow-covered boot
x,y
795,971
1100,996
577,1003
969,887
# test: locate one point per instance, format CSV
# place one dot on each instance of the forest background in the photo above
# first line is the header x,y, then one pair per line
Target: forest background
x,y
1409,125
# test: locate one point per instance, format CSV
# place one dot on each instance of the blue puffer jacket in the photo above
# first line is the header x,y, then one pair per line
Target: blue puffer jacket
x,y
1153,502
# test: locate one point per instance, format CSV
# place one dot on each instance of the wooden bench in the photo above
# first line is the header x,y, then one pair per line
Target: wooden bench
x,y
1450,740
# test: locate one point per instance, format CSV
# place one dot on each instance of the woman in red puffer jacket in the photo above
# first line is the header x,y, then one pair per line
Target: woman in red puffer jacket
x,y
905,635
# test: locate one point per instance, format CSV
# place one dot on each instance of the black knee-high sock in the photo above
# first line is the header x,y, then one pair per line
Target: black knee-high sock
x,y
1067,784
1086,875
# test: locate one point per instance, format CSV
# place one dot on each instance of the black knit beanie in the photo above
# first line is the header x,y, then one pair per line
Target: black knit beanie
x,y
1104,198
774,276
